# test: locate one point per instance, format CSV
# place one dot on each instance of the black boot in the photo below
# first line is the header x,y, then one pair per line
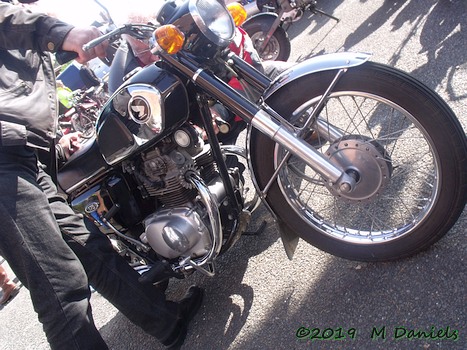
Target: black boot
x,y
188,307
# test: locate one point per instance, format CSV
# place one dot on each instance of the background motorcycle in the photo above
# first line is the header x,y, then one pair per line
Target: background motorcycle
x,y
355,157
268,29
79,109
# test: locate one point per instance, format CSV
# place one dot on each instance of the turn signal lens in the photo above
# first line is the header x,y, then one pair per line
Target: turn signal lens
x,y
238,13
169,38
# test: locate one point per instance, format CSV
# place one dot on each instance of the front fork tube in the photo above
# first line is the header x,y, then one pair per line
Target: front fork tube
x,y
263,121
313,120
335,176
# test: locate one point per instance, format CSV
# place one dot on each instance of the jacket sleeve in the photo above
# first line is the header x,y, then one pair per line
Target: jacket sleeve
x,y
22,29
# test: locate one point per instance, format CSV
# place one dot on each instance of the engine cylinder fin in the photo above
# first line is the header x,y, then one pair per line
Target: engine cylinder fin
x,y
173,194
207,166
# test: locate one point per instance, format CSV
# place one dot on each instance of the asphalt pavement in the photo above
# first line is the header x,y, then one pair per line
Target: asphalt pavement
x,y
261,300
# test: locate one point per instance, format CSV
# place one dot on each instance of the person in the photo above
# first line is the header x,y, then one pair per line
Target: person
x,y
54,252
9,288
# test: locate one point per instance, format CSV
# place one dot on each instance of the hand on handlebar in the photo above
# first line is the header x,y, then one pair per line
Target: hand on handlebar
x,y
77,37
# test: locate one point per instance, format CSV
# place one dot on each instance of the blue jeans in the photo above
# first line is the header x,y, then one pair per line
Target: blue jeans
x,y
36,232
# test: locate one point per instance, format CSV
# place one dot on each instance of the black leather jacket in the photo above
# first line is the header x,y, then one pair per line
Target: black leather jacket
x,y
28,103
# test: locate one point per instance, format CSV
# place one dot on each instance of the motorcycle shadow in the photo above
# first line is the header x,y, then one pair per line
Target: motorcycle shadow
x,y
332,303
261,300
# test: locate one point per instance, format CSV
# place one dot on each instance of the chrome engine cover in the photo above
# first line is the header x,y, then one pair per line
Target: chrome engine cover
x,y
177,232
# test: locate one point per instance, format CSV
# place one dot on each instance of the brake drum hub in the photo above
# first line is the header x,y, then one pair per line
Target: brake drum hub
x,y
366,161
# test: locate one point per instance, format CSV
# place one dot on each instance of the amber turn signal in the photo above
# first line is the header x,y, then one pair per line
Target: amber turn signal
x,y
169,38
237,12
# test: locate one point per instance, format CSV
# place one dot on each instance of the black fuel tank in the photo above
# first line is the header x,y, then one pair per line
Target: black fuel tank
x,y
147,108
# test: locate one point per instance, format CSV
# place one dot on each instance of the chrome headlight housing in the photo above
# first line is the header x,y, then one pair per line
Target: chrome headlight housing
x,y
207,26
213,20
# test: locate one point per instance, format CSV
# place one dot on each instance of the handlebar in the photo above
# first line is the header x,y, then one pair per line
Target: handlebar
x,y
130,29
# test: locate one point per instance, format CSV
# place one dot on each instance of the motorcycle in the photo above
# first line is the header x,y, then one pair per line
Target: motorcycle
x,y
79,109
354,157
268,29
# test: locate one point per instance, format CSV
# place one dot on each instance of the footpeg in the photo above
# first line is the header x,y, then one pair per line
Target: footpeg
x,y
160,271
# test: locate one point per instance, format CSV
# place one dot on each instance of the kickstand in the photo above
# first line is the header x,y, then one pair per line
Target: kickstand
x,y
315,10
258,231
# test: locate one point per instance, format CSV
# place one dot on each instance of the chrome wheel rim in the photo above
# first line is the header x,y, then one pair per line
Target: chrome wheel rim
x,y
404,201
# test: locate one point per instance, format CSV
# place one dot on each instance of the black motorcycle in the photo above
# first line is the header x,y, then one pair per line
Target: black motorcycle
x,y
355,157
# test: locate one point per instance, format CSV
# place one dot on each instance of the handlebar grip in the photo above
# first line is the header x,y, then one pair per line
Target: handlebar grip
x,y
65,56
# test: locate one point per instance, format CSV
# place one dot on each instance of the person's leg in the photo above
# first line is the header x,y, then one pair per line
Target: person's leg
x,y
108,273
31,242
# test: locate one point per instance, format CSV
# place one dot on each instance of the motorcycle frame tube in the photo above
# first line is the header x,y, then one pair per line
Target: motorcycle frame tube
x,y
223,171
261,120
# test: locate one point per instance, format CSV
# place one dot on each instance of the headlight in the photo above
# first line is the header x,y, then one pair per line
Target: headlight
x,y
213,20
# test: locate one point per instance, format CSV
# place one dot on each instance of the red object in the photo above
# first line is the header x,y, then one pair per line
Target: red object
x,y
239,47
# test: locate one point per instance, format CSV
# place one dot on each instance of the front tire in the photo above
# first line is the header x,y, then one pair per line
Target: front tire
x,y
405,145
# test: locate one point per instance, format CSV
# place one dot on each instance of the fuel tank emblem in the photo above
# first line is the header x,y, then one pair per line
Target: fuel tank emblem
x,y
139,109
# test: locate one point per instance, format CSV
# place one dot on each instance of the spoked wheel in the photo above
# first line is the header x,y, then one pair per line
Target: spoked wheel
x,y
399,141
278,47
85,125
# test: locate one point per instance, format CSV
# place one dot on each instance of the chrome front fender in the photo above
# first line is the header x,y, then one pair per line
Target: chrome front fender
x,y
342,60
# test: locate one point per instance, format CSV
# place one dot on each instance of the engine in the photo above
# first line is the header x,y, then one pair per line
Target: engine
x,y
180,224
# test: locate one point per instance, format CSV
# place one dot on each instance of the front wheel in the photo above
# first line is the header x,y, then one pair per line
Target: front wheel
x,y
278,46
397,138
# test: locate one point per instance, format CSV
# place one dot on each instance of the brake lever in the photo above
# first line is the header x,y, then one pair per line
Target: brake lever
x,y
112,35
